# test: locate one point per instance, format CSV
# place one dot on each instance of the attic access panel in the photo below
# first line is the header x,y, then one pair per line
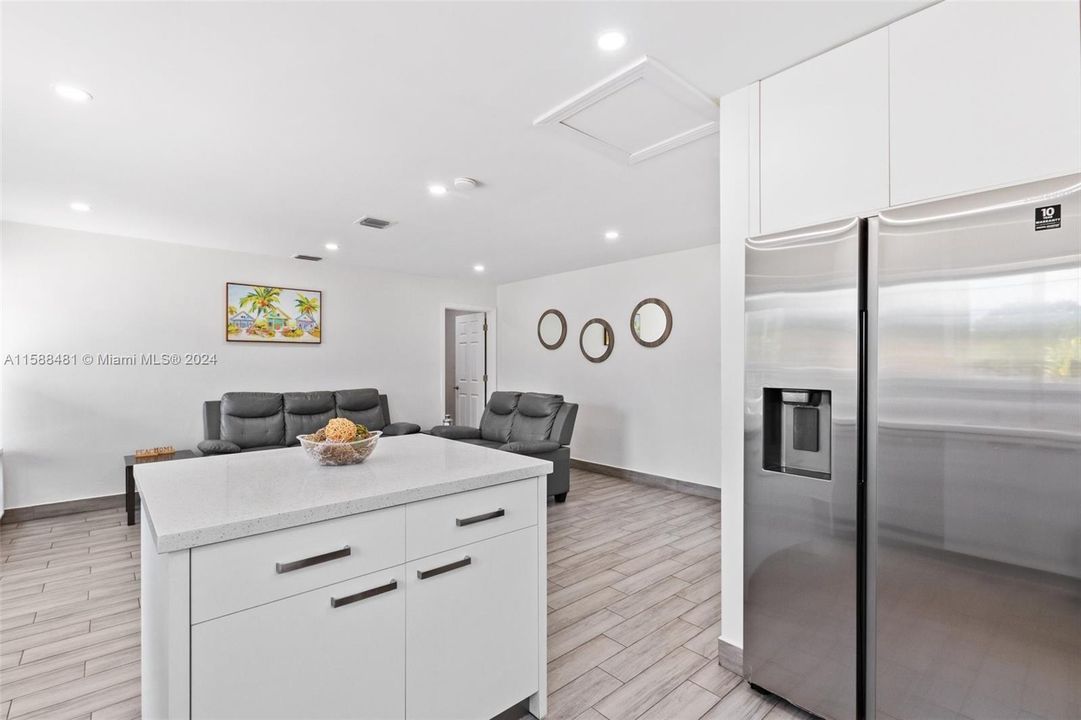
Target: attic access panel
x,y
638,113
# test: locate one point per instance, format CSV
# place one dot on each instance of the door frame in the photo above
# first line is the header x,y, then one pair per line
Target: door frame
x,y
490,346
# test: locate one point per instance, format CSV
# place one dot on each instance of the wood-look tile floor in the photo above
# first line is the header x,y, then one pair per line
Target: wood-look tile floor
x,y
69,618
633,595
634,608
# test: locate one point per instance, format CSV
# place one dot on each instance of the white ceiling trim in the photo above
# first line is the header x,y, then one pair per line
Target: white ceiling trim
x,y
645,69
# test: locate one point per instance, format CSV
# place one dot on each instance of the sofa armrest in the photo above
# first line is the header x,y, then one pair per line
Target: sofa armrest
x,y
563,427
212,420
456,432
401,428
531,447
217,447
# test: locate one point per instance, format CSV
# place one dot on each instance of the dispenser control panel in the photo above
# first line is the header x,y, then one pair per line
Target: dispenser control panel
x,y
797,427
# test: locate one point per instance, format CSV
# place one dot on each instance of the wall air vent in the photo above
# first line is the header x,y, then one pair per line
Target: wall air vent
x,y
313,258
373,222
640,112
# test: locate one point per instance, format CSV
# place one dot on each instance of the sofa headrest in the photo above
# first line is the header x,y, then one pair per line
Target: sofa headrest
x,y
538,405
309,403
503,402
251,404
355,400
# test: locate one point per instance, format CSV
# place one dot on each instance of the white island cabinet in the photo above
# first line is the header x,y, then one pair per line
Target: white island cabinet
x,y
410,586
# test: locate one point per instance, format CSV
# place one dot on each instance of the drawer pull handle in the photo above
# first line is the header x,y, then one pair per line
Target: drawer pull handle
x,y
462,522
314,560
364,594
425,574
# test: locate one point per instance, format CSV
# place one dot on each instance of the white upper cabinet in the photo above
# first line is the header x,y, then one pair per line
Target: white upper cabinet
x,y
825,136
983,94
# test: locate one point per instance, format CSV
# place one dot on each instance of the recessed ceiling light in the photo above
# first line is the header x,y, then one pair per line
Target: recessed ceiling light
x,y
331,246
437,190
72,93
478,268
611,235
611,40
79,207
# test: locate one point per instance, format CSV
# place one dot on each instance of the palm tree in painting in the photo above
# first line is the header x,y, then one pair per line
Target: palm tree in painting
x,y
307,305
231,311
261,300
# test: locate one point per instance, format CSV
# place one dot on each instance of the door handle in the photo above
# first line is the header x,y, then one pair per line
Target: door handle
x,y
364,594
425,574
462,522
313,560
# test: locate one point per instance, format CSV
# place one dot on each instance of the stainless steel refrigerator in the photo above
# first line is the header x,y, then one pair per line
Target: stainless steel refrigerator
x,y
913,460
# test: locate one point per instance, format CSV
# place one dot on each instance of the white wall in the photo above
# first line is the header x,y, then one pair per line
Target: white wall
x,y
2,503
67,428
653,410
740,218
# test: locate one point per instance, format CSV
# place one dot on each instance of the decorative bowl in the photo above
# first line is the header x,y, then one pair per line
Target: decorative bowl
x,y
340,453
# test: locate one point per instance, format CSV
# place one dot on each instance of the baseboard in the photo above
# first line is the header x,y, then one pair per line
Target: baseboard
x,y
648,479
67,507
730,657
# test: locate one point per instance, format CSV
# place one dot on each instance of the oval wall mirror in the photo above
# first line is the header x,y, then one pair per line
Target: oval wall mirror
x,y
552,329
596,340
651,322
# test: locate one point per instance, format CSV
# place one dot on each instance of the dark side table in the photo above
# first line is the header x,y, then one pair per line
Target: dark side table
x,y
130,461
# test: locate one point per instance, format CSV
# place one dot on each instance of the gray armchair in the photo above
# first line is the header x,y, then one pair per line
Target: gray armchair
x,y
529,424
249,421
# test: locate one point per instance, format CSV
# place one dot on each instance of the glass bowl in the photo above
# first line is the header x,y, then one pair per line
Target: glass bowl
x,y
340,453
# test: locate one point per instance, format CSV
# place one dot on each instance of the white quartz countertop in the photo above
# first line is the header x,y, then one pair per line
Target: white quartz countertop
x,y
223,497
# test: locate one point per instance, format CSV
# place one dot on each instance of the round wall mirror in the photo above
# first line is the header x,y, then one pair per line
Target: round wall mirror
x,y
651,322
596,340
552,329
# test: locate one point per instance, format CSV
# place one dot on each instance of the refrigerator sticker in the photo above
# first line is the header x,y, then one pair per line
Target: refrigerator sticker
x,y
1049,217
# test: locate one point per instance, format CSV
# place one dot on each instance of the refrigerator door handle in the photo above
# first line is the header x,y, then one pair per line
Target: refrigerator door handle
x,y
869,464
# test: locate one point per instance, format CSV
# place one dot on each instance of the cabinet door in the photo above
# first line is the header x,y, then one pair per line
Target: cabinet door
x,y
301,657
471,648
983,94
825,136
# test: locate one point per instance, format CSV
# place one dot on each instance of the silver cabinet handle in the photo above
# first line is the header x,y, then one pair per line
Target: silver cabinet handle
x,y
364,594
462,522
425,574
314,560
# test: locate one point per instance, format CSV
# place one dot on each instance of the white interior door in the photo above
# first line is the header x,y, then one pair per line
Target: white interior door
x,y
469,368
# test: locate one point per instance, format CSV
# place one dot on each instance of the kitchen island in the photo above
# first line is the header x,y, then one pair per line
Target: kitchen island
x,y
409,586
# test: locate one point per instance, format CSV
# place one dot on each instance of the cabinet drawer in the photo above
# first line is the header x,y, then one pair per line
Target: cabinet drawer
x,y
306,656
243,573
455,520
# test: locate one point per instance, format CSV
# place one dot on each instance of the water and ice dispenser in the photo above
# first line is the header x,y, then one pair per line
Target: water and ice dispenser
x,y
796,432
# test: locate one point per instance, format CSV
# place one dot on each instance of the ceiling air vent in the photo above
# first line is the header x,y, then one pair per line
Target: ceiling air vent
x,y
313,258
638,113
373,222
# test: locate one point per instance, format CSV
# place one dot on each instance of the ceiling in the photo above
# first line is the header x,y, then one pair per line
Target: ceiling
x,y
270,127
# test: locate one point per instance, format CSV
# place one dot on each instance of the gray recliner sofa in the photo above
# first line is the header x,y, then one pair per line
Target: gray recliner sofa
x,y
249,421
527,423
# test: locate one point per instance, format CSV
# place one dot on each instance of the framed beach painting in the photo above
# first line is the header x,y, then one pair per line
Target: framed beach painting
x,y
261,313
